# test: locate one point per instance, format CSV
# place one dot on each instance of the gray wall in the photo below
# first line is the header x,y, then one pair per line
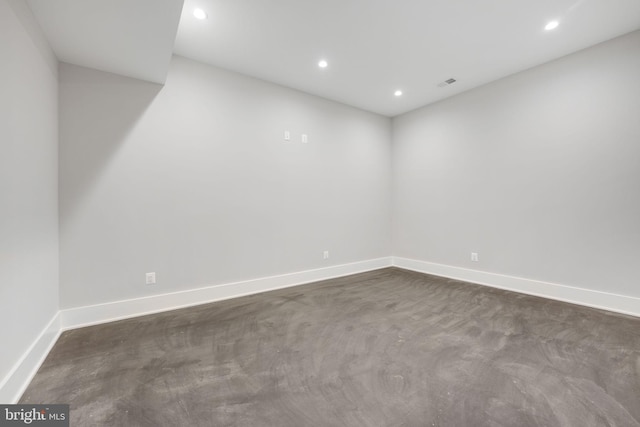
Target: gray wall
x,y
538,172
28,183
194,181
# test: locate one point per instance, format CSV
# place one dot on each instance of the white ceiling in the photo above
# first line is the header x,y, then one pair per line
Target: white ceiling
x,y
377,46
373,46
129,37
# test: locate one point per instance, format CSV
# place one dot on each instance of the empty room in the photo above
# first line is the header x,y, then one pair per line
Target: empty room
x,y
320,213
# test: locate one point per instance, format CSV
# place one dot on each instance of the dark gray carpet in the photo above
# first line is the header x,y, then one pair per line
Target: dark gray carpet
x,y
385,348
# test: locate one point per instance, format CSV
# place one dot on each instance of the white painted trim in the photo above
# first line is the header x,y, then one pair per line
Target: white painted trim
x,y
16,381
19,377
587,297
23,371
101,313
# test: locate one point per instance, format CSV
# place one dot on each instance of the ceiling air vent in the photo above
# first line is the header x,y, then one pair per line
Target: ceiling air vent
x,y
447,83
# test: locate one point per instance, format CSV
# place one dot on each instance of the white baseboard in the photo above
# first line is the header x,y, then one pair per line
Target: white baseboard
x,y
17,380
91,315
590,298
14,384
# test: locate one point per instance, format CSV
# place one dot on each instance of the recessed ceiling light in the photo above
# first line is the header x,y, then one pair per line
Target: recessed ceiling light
x,y
551,25
200,14
323,64
398,93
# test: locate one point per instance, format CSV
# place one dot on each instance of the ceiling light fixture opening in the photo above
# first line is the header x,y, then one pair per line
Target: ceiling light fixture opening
x,y
398,93
551,25
323,64
200,14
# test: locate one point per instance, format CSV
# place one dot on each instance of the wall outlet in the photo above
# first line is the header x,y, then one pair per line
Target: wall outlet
x,y
305,138
287,135
474,256
150,278
325,255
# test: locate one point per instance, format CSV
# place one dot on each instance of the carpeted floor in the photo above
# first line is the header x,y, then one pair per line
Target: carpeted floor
x,y
385,348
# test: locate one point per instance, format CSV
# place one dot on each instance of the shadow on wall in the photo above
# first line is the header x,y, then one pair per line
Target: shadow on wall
x,y
98,111
24,15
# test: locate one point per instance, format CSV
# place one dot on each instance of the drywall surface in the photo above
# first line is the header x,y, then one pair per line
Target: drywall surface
x,y
28,184
538,173
195,182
